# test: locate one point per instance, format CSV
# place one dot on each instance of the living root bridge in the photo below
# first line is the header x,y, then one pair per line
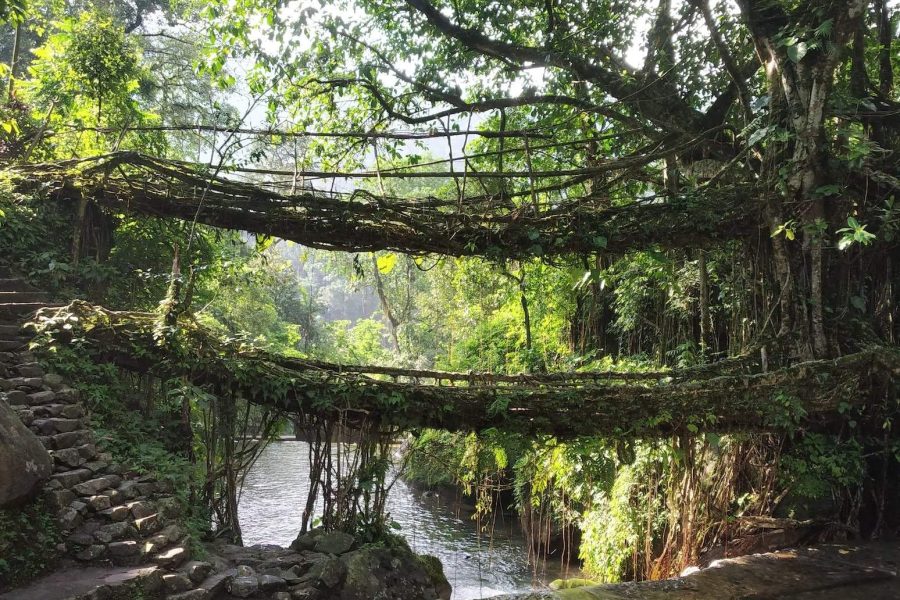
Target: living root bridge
x,y
486,225
809,395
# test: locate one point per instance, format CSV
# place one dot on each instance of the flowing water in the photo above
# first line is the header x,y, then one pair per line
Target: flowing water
x,y
478,565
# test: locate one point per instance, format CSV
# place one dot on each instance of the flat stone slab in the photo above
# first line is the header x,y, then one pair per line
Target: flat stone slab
x,y
74,582
832,572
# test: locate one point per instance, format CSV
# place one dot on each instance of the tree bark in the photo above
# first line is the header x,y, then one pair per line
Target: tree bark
x,y
885,67
14,62
393,323
705,319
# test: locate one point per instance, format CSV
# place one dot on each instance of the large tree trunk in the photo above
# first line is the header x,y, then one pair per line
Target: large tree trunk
x,y
799,87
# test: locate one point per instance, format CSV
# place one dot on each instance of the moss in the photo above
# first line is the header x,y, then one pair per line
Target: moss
x,y
433,567
569,584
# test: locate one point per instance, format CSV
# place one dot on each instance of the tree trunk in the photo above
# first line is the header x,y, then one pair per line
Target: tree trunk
x,y
393,324
799,87
14,62
705,319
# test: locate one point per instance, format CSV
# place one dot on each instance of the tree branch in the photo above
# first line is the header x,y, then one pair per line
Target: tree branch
x,y
658,102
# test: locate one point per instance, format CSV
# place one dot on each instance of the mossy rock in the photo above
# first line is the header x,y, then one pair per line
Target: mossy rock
x,y
568,584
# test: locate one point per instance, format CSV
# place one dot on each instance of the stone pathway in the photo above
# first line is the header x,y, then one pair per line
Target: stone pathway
x,y
78,581
108,514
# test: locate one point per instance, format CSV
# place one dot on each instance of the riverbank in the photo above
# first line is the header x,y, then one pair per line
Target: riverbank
x,y
828,572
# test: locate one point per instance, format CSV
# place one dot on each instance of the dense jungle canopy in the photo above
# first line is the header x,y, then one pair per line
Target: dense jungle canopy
x,y
536,187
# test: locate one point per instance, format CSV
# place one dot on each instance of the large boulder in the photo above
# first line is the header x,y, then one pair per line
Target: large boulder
x,y
24,462
398,573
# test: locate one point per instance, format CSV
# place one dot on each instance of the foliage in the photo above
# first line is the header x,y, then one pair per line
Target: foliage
x,y
757,226
28,540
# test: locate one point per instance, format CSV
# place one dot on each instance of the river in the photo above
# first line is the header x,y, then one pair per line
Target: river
x,y
477,565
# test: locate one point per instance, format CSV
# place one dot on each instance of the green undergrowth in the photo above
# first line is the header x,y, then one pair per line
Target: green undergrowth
x,y
626,498
28,540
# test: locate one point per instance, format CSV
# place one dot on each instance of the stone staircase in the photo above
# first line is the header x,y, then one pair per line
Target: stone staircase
x,y
106,513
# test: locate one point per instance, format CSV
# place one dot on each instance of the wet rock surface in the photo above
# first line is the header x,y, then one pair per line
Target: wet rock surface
x,y
350,572
828,572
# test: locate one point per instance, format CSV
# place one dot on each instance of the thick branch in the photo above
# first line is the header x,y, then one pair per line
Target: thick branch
x,y
658,102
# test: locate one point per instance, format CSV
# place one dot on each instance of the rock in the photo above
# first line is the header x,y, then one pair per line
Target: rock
x,y
53,380
270,583
96,466
72,478
98,503
245,571
168,507
335,542
114,531
59,499
67,395
215,583
307,541
281,596
31,370
331,572
155,544
24,462
92,487
71,438
55,425
198,594
243,586
68,519
92,552
80,538
176,582
172,557
198,570
128,490
38,398
17,397
393,573
124,549
69,457
146,488
27,418
71,411
116,513
88,451
141,509
148,525
306,593
172,532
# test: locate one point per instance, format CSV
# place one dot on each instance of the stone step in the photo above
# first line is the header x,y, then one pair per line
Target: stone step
x,y
15,284
16,311
12,332
93,582
55,425
7,345
18,297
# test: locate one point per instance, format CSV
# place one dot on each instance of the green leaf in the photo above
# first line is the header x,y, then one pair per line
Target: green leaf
x,y
386,263
600,241
797,51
